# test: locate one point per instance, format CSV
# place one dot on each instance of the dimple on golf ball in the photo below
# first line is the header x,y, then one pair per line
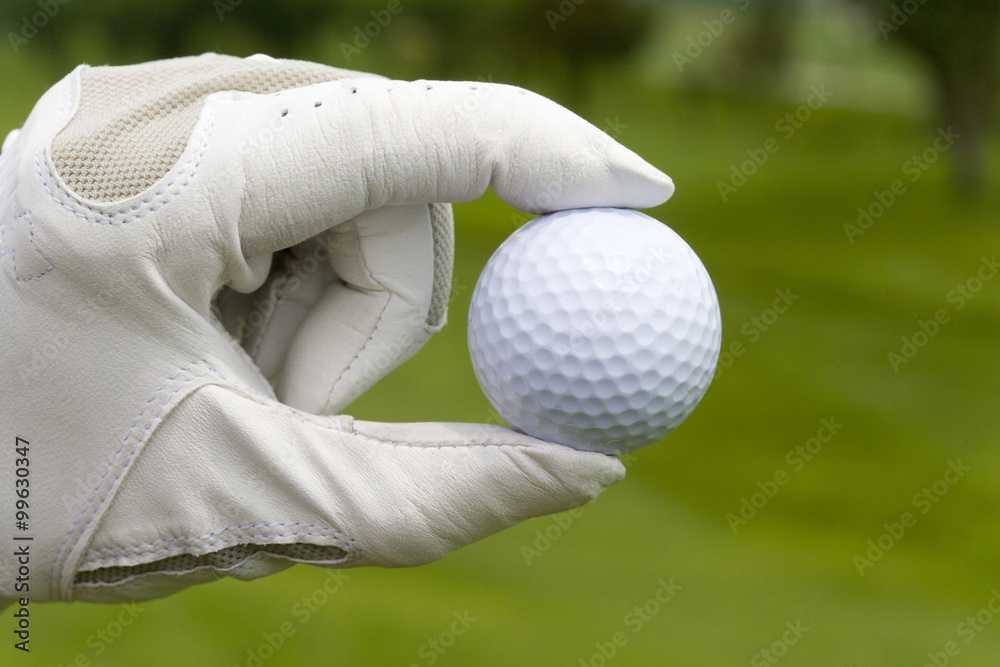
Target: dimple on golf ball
x,y
595,328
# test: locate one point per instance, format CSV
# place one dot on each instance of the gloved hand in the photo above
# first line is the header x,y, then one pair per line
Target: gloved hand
x,y
137,202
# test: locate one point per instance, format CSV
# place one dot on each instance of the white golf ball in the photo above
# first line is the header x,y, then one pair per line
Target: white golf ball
x,y
595,328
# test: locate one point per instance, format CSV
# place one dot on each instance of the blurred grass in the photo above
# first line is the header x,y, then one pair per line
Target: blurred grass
x,y
825,357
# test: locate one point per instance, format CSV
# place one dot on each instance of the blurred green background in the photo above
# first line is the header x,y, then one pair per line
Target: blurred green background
x,y
817,570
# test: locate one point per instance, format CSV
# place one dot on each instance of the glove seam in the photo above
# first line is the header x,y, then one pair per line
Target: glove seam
x,y
357,356
276,288
333,423
218,532
31,239
95,510
393,443
388,299
236,347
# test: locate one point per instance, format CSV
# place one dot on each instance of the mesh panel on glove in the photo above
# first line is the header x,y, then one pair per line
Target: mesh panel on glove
x,y
133,123
220,561
443,231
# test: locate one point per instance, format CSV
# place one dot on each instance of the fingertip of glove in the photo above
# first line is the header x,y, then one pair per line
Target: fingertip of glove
x,y
615,469
644,185
560,460
567,463
663,182
593,469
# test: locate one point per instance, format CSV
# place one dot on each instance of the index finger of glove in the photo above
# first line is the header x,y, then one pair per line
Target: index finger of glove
x,y
339,148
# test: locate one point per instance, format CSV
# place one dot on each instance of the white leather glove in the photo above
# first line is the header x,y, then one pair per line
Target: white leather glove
x,y
136,201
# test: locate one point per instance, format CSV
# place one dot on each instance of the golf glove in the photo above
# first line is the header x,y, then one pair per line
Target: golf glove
x,y
147,447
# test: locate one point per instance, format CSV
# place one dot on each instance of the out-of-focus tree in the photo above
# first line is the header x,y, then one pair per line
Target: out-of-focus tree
x,y
960,40
764,50
574,38
54,29
560,40
750,43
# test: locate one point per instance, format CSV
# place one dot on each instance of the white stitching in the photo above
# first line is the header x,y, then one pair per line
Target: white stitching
x,y
213,534
357,356
209,370
31,240
114,457
208,548
352,551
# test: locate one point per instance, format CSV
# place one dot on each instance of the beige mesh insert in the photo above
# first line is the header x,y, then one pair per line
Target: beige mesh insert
x,y
133,122
443,233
